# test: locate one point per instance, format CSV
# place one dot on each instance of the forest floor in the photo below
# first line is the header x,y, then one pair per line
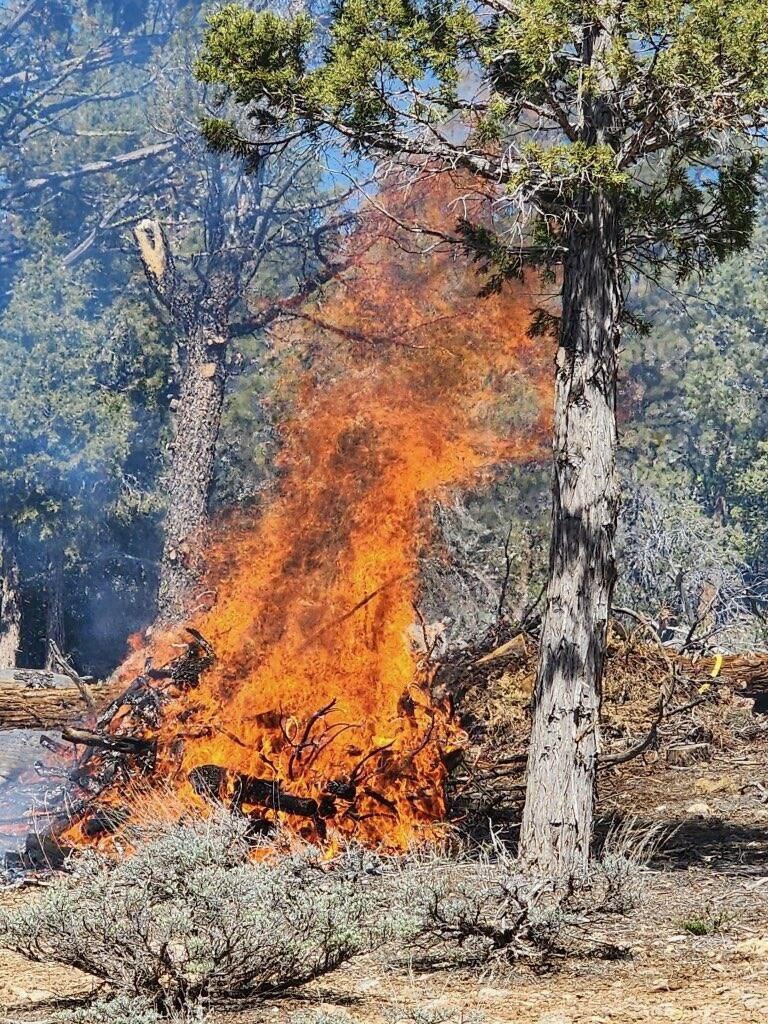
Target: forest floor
x,y
710,876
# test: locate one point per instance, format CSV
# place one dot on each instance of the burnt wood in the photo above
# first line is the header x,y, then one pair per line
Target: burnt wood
x,y
213,782
105,741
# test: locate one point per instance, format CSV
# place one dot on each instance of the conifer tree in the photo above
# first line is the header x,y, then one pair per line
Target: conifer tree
x,y
621,135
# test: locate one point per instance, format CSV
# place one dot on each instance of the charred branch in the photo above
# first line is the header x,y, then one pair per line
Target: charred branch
x,y
217,784
185,671
105,741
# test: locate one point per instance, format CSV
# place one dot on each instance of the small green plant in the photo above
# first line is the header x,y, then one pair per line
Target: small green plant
x,y
711,922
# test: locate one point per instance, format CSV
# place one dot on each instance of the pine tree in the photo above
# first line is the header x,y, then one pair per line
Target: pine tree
x,y
620,134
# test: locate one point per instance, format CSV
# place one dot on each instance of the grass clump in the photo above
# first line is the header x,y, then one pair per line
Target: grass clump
x,y
618,876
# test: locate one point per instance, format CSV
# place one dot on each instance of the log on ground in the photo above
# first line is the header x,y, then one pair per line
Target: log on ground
x,y
31,707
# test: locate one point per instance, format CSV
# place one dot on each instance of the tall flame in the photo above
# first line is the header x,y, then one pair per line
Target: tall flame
x,y
417,385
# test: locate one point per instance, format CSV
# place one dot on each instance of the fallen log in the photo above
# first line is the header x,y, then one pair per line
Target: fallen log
x,y
36,678
33,707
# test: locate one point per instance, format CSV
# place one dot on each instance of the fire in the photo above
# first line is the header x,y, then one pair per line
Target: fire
x,y
317,707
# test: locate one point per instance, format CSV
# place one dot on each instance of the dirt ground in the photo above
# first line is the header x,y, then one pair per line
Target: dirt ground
x,y
711,875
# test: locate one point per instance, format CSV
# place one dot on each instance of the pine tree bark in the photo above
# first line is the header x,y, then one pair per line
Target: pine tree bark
x,y
190,473
200,315
10,607
557,821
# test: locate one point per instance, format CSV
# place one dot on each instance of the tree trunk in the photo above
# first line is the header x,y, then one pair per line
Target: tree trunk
x,y
201,315
557,821
54,607
190,472
10,608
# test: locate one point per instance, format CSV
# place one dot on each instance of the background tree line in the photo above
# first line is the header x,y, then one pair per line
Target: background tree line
x,y
104,175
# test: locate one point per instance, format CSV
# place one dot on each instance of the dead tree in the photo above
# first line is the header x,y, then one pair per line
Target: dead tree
x,y
243,218
250,217
202,319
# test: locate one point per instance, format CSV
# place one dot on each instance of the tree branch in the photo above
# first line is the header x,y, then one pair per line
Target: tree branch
x,y
116,163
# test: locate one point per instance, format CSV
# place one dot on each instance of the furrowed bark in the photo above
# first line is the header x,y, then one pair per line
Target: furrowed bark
x,y
557,821
202,321
10,608
190,473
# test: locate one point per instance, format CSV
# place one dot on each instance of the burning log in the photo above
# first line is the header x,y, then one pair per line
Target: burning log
x,y
267,793
215,783
41,851
210,781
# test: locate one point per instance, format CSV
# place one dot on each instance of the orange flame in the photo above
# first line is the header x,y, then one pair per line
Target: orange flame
x,y
417,385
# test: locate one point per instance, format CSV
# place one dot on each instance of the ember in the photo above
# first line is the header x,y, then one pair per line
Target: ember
x,y
298,694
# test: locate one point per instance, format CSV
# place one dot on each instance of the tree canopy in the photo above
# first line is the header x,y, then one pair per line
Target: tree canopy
x,y
500,89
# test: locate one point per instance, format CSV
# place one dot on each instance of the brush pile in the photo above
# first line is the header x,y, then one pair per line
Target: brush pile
x,y
657,703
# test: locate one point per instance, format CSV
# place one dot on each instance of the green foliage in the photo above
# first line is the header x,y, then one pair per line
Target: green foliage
x,y
576,166
223,137
269,48
711,921
659,103
700,419
68,418
259,56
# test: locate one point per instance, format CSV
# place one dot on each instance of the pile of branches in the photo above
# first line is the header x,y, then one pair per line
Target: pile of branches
x,y
647,688
653,697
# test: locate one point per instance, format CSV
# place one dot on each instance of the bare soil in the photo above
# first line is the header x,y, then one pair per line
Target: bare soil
x,y
712,875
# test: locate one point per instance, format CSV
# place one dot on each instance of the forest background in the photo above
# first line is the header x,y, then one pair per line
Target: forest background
x,y
99,130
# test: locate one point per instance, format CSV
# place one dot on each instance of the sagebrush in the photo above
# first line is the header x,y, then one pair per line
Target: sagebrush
x,y
191,914
192,918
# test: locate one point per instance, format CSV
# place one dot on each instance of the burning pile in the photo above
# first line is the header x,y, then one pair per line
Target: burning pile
x,y
297,692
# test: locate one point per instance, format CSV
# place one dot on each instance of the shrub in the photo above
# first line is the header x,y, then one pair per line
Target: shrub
x,y
617,882
190,915
481,905
128,1010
